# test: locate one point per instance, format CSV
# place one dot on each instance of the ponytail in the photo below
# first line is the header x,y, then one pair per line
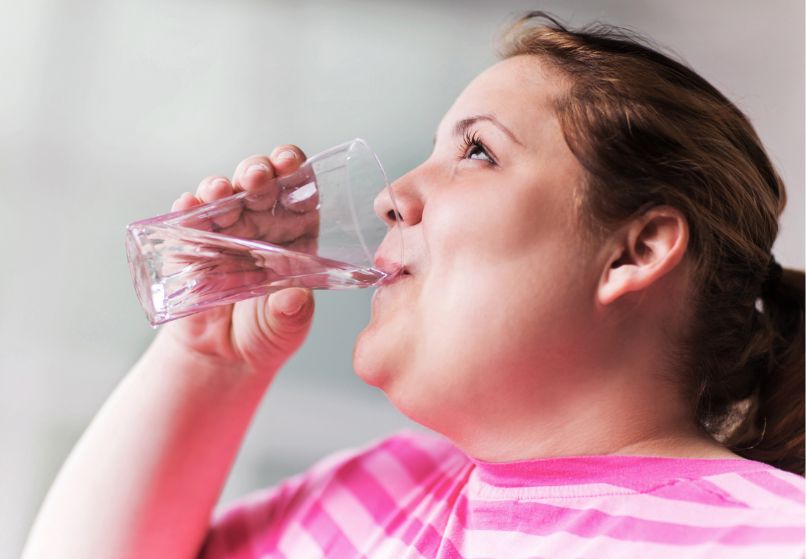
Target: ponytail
x,y
773,430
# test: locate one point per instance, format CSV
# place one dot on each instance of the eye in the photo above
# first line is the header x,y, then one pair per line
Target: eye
x,y
473,148
478,152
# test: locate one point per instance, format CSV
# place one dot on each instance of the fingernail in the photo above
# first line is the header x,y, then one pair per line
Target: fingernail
x,y
219,183
256,169
285,155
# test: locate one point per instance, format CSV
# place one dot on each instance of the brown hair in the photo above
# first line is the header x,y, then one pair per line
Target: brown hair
x,y
649,131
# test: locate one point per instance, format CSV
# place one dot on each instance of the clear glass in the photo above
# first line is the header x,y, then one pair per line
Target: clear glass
x,y
315,228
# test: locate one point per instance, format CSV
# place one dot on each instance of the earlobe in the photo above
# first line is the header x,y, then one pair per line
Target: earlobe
x,y
644,250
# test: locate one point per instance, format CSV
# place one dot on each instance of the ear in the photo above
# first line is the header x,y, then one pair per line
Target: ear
x,y
645,250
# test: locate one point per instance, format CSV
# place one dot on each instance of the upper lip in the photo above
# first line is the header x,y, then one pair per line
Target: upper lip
x,y
390,266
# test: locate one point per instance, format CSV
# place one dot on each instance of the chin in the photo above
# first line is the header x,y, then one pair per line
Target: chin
x,y
380,361
382,351
368,361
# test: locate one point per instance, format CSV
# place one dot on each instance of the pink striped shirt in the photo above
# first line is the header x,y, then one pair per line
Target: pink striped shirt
x,y
414,495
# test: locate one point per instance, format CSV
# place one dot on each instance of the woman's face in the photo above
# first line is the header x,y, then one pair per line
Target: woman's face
x,y
490,321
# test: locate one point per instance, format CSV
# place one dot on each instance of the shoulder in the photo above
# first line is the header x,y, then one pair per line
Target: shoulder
x,y
755,508
394,463
739,503
367,482
759,486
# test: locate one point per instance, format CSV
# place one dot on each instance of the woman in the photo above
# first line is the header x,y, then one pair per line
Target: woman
x,y
591,319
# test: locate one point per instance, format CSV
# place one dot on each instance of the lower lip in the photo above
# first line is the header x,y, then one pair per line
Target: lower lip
x,y
393,279
403,278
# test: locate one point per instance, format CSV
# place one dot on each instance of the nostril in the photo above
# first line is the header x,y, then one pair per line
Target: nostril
x,y
392,215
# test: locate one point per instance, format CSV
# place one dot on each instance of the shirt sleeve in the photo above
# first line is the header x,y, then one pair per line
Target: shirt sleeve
x,y
237,531
253,524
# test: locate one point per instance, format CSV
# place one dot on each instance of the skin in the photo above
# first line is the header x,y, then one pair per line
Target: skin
x,y
511,334
166,438
241,334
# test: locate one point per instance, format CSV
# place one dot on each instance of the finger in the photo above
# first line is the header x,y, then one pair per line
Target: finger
x,y
253,174
299,192
286,226
286,159
185,202
213,188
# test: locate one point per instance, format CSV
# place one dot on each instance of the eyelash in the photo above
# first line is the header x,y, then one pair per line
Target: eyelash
x,y
471,140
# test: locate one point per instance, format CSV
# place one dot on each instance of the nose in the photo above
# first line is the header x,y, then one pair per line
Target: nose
x,y
401,203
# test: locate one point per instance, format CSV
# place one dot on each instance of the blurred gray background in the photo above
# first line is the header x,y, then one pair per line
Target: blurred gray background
x,y
109,110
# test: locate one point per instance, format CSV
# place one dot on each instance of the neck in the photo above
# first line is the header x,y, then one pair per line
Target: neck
x,y
624,415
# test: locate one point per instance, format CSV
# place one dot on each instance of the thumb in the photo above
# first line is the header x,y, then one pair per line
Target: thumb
x,y
269,331
289,315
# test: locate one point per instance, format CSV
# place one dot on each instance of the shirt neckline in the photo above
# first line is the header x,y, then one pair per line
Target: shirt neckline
x,y
634,472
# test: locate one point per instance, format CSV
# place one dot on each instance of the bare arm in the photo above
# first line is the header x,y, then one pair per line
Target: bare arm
x,y
144,477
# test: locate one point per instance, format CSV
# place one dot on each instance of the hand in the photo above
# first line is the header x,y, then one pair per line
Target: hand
x,y
258,334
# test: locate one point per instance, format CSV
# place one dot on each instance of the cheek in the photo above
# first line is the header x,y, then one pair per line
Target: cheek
x,y
476,320
489,227
513,309
492,354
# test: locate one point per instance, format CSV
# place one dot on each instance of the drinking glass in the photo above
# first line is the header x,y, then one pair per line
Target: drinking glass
x,y
315,228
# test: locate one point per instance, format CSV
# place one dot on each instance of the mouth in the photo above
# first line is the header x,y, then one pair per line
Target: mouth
x,y
395,276
392,268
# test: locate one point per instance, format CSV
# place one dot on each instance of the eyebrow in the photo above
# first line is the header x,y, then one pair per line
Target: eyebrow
x,y
462,126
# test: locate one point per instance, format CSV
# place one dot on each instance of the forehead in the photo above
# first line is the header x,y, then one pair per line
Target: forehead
x,y
519,91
